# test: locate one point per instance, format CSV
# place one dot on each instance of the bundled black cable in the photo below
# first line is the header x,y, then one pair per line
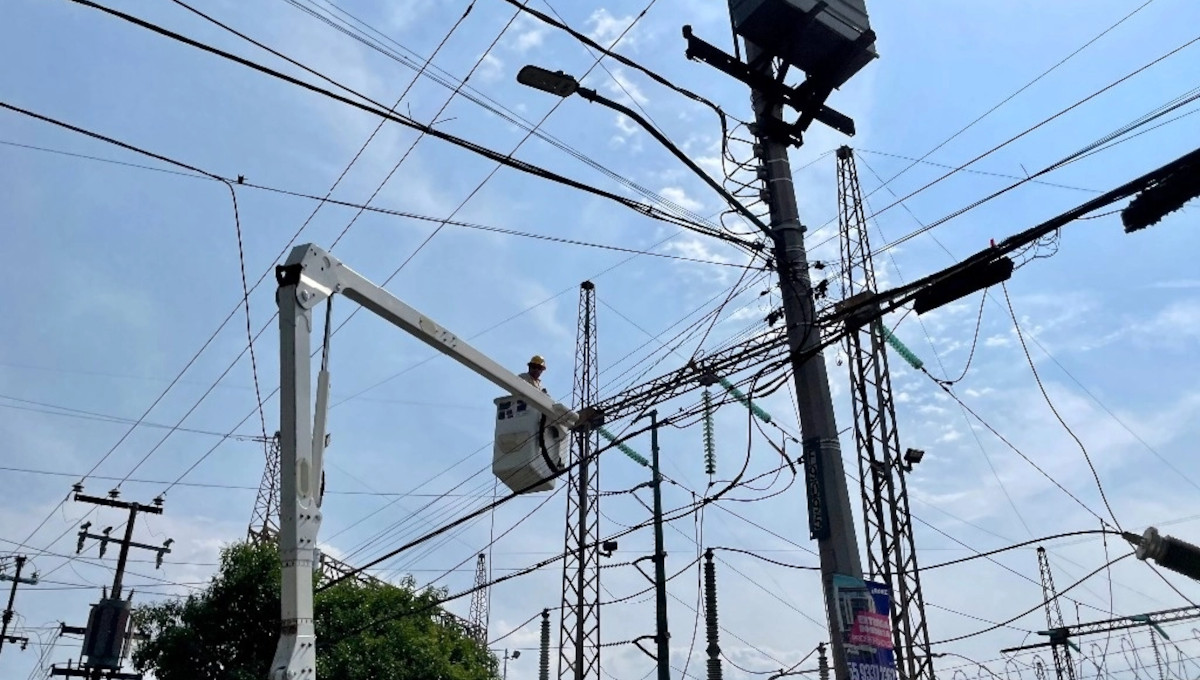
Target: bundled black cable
x,y
1162,198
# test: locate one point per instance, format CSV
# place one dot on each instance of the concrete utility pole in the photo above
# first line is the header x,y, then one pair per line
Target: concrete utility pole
x,y
834,57
16,579
830,521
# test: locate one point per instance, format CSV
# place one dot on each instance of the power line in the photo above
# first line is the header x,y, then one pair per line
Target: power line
x,y
236,487
884,184
1096,146
54,409
1053,409
978,326
1068,373
1082,153
394,212
1037,606
160,157
237,220
482,100
1022,544
1012,446
495,229
1024,87
379,110
222,325
619,58
186,367
1118,136
380,536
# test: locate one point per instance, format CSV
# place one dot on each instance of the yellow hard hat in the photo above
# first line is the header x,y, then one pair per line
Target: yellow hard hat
x,y
537,360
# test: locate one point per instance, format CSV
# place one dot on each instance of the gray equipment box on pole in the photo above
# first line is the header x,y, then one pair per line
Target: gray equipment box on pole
x,y
803,38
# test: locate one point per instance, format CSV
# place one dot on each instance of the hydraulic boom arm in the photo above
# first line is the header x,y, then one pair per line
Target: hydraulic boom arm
x,y
308,277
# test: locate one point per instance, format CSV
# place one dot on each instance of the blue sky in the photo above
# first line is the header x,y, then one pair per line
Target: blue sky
x,y
118,275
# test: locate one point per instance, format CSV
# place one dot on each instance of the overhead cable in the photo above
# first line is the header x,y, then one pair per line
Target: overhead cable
x,y
619,58
1037,606
1053,409
379,110
1012,96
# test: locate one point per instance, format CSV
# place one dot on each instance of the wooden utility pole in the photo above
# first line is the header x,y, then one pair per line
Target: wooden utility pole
x,y
106,634
17,579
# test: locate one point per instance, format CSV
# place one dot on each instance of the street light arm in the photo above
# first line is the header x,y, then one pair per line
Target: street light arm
x,y
597,98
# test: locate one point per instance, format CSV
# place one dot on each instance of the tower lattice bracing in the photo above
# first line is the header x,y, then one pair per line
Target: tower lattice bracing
x,y
264,523
478,616
579,655
1064,667
891,551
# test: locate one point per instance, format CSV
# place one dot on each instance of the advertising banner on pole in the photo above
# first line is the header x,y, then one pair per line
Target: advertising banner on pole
x,y
864,613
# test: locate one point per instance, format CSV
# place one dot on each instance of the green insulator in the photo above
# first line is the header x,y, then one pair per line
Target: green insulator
x,y
624,448
710,445
901,349
737,394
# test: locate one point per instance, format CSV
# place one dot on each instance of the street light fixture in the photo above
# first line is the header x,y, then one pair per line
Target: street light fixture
x,y
556,83
564,85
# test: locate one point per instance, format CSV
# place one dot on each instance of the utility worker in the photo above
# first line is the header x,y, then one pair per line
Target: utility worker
x,y
537,366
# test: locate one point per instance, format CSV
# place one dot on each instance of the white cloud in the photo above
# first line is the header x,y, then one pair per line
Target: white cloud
x,y
711,164
623,89
680,197
1176,284
547,316
530,34
606,28
1177,323
1174,326
626,130
695,247
998,341
491,68
405,15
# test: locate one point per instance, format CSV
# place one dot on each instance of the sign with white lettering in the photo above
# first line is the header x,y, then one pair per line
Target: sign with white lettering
x,y
864,616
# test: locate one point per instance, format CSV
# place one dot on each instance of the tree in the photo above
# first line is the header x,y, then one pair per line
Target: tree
x,y
229,630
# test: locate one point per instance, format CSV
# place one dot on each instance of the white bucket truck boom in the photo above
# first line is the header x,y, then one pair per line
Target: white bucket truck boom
x,y
308,277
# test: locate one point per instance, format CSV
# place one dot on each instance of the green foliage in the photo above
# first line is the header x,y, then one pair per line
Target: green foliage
x,y
229,631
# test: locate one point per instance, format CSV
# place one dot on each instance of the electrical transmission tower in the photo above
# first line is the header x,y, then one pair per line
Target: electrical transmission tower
x,y
478,615
579,655
1064,668
891,551
264,523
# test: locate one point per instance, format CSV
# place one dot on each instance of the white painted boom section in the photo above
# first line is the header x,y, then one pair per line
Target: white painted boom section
x,y
308,277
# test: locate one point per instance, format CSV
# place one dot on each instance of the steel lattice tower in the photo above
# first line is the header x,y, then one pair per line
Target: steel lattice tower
x,y
1064,668
579,646
478,616
264,523
891,551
